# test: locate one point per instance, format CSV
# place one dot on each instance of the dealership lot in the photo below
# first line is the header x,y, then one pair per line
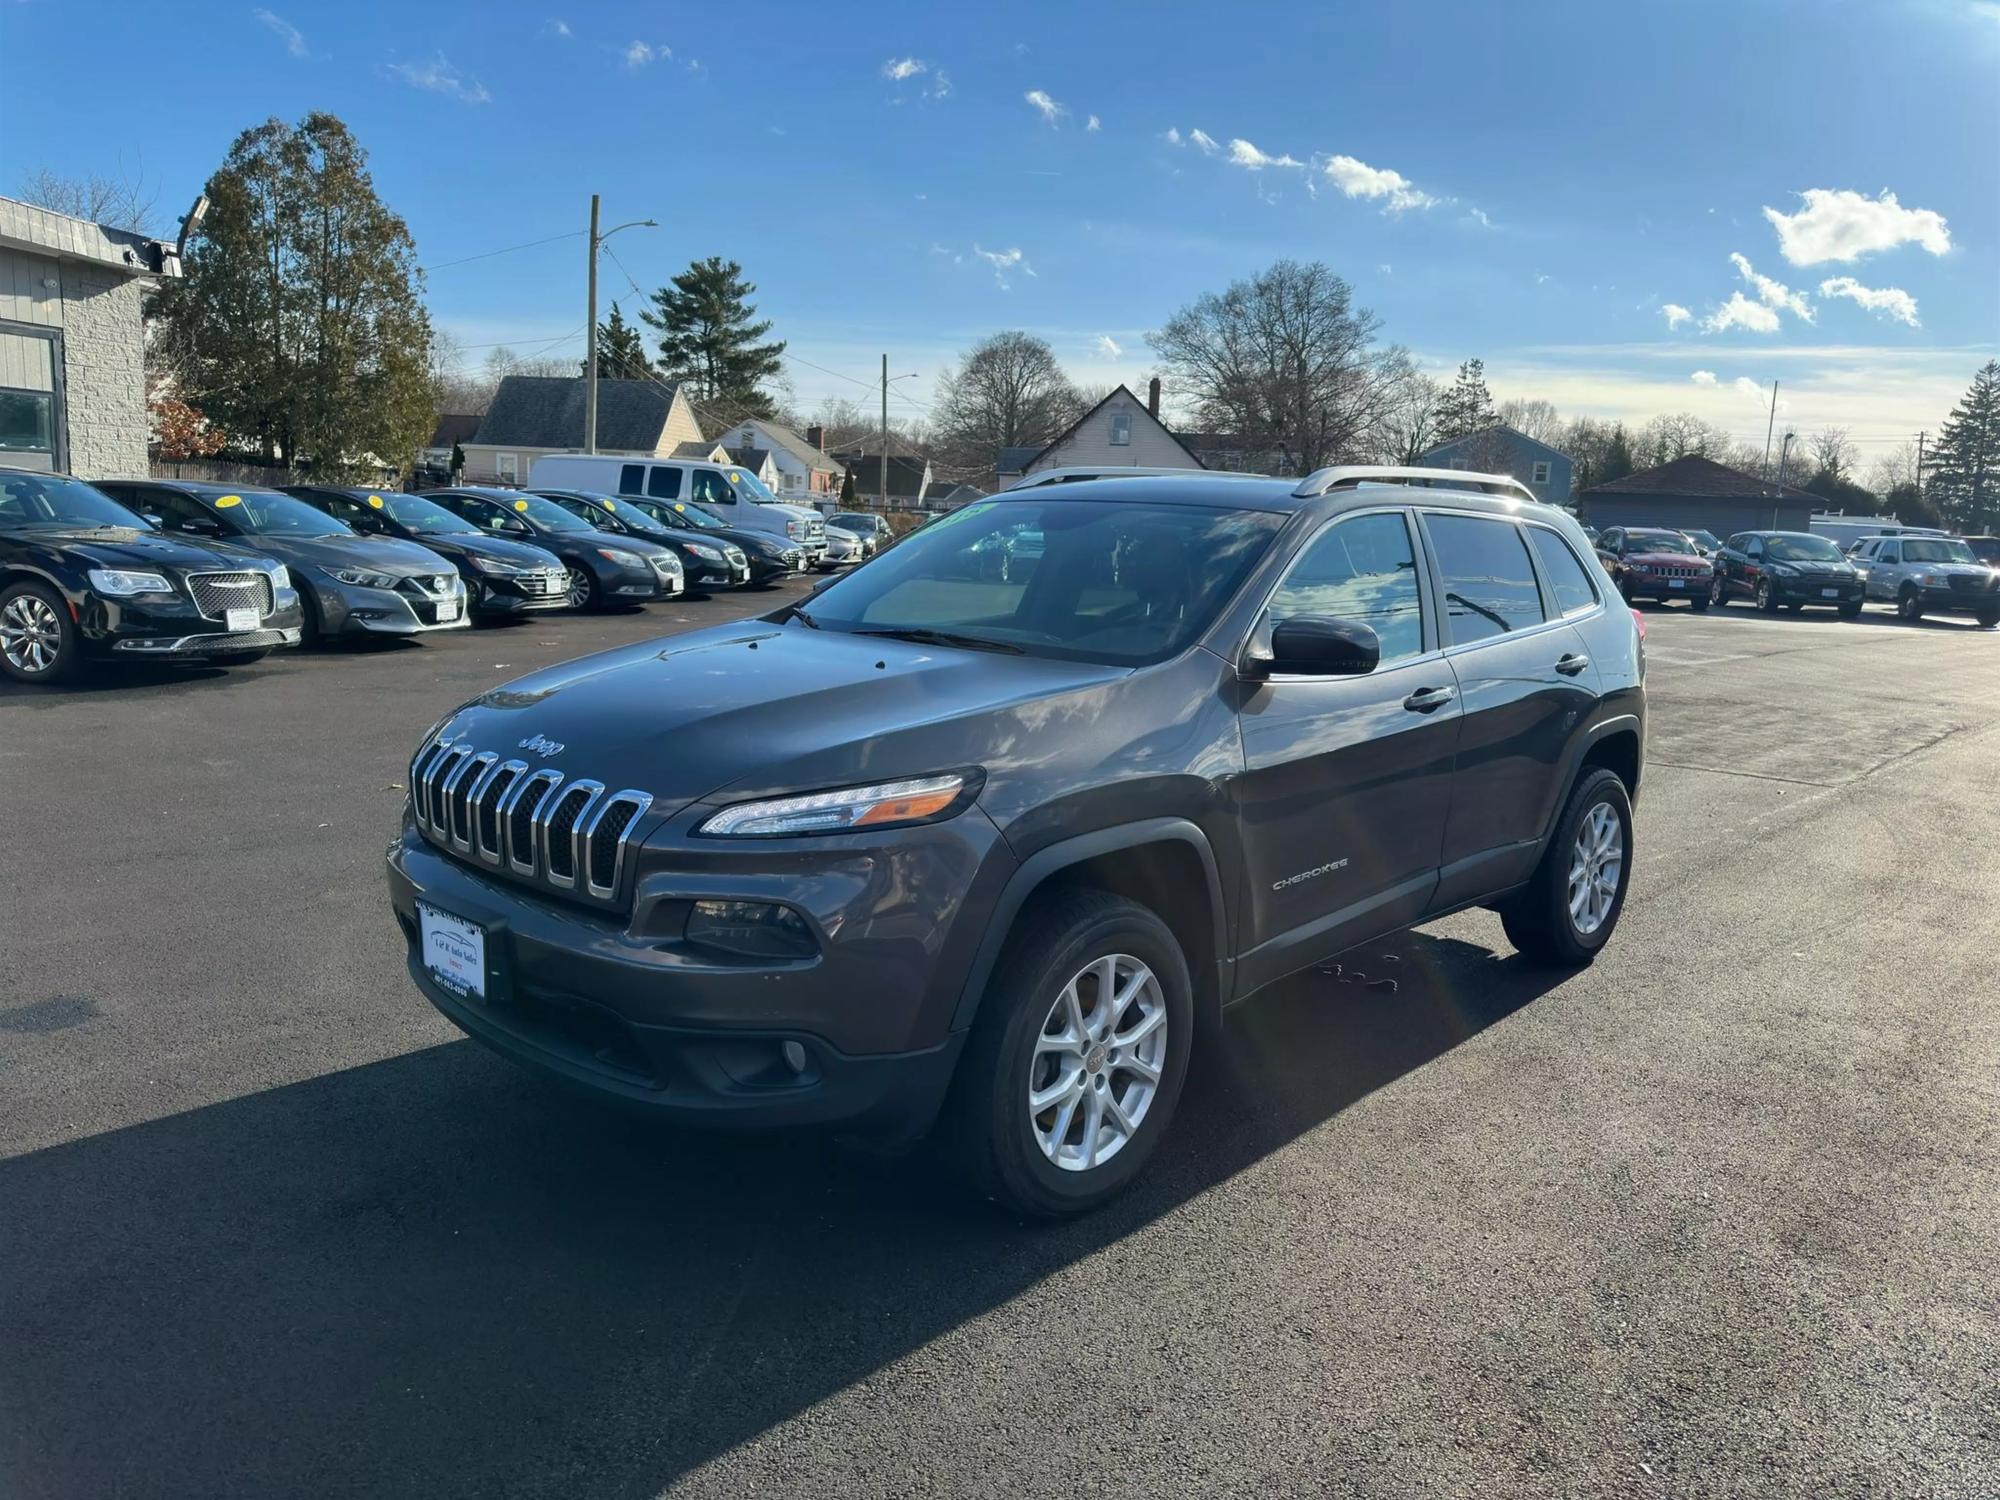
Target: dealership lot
x,y
1715,1215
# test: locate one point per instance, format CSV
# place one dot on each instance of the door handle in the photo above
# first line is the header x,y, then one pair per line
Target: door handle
x,y
1572,663
1423,700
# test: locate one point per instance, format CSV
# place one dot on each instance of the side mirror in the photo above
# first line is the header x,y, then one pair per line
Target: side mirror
x,y
1314,646
200,526
153,520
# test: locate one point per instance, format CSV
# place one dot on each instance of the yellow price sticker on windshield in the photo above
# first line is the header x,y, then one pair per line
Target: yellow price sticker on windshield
x,y
520,505
375,501
735,478
224,502
611,506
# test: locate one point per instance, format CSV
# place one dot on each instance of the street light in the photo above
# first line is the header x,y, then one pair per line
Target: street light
x,y
886,379
590,338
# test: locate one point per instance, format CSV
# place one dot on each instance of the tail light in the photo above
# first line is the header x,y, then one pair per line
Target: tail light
x,y
1639,620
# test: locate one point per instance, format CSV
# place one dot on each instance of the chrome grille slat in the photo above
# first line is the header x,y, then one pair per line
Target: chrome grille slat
x,y
562,837
486,800
215,593
527,821
457,811
601,835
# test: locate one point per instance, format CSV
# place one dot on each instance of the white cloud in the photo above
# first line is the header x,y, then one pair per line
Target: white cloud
x,y
1844,226
1703,377
286,32
560,28
1675,314
1359,180
900,68
1740,312
1478,216
438,76
638,54
1051,111
940,85
1204,140
1747,388
1894,301
1108,347
1004,263
1774,294
1542,278
1093,124
1243,154
1172,137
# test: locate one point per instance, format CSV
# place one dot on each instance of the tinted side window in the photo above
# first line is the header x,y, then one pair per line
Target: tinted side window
x,y
1366,570
664,484
1567,578
1489,583
632,479
1892,552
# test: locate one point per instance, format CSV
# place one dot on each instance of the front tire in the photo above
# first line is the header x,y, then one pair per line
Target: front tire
x,y
1767,600
38,639
1910,606
1568,910
1077,1059
1988,617
583,590
1699,604
1718,593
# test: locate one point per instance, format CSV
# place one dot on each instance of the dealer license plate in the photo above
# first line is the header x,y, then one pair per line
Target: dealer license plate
x,y
454,951
1829,593
239,619
1677,583
447,611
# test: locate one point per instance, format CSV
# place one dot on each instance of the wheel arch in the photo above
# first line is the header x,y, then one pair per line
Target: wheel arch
x,y
1180,882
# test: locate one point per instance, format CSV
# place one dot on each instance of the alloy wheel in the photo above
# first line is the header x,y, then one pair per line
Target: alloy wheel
x,y
1097,1062
1596,869
30,634
579,587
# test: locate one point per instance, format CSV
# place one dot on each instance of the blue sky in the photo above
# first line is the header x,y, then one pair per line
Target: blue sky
x,y
1539,184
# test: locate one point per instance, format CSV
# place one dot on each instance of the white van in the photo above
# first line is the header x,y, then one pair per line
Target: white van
x,y
1845,531
734,495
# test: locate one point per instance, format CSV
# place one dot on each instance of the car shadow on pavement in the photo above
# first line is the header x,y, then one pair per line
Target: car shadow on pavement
x,y
434,1275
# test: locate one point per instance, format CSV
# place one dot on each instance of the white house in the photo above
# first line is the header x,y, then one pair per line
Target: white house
x,y
802,470
1119,431
536,414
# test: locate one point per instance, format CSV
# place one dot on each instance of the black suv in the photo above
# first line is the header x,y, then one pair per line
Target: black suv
x,y
1005,849
1786,570
82,577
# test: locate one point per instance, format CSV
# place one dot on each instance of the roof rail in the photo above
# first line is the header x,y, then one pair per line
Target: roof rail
x,y
1076,473
1346,476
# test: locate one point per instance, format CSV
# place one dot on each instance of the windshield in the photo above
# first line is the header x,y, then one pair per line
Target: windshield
x,y
263,513
695,516
750,485
49,500
1802,549
1095,580
1936,549
1657,541
1704,538
624,510
421,515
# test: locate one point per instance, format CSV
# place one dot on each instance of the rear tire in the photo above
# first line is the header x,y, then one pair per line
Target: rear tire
x,y
1569,909
38,639
1047,1030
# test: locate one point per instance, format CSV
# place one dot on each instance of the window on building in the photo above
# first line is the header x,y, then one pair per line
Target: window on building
x,y
507,466
27,421
1121,430
1541,473
1489,583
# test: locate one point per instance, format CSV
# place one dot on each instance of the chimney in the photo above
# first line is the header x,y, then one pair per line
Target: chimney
x,y
817,437
1153,399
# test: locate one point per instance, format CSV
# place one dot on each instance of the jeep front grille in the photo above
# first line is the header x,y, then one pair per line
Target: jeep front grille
x,y
216,593
532,824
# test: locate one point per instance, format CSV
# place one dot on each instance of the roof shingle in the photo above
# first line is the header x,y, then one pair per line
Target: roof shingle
x,y
546,411
1697,478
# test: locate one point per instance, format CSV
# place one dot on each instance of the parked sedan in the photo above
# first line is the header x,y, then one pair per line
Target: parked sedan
x,y
1705,542
872,529
502,578
82,577
348,584
769,557
1648,562
1786,570
844,548
705,564
602,575
1923,575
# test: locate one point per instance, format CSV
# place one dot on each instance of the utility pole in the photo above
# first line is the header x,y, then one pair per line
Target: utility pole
x,y
1784,450
1768,425
885,433
590,344
1920,463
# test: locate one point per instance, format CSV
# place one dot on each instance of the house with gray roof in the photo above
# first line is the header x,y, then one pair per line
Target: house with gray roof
x,y
1695,492
804,472
536,414
1120,431
72,343
1501,449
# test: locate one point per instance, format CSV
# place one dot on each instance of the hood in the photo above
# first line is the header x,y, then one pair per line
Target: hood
x,y
796,512
1816,567
759,707
398,559
129,547
753,543
460,544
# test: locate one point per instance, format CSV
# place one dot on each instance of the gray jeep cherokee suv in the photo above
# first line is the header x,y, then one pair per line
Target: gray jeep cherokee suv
x,y
941,847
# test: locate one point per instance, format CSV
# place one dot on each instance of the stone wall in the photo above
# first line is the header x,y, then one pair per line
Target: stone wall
x,y
104,392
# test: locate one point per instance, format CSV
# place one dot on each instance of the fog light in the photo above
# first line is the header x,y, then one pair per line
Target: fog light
x,y
750,929
795,1056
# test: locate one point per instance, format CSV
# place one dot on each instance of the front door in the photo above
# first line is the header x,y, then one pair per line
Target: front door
x,y
1524,680
1345,779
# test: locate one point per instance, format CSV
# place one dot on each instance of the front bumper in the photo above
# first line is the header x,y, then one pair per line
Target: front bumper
x,y
1809,590
347,609
171,627
614,1002
498,594
1943,599
1640,586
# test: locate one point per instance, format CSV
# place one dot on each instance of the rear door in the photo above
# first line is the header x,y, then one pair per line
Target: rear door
x,y
1525,681
1885,570
1346,779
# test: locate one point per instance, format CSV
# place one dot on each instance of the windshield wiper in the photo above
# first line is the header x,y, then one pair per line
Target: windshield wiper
x,y
797,612
1480,609
923,636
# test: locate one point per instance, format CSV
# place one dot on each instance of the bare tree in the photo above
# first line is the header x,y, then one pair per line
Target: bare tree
x,y
1895,470
1408,429
1007,392
1833,453
1285,361
1536,418
121,202
1678,435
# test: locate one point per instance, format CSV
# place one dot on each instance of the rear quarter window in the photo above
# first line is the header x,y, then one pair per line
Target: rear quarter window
x,y
1568,579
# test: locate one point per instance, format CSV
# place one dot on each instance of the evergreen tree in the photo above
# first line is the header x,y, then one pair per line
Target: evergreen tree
x,y
710,340
1962,473
847,496
457,461
621,351
1617,455
296,327
1468,406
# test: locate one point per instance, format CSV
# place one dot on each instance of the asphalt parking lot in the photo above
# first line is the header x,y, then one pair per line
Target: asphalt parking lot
x,y
1717,1216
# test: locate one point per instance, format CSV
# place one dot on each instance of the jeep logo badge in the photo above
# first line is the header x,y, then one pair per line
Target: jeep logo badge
x,y
542,746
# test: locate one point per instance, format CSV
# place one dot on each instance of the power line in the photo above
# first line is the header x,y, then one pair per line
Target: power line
x,y
504,250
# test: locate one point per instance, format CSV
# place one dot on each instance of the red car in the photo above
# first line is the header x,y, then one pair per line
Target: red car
x,y
1648,562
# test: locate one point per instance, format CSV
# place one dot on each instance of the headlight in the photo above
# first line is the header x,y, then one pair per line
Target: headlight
x,y
887,804
705,552
360,578
621,557
500,569
281,576
1926,578
121,585
1784,572
791,528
